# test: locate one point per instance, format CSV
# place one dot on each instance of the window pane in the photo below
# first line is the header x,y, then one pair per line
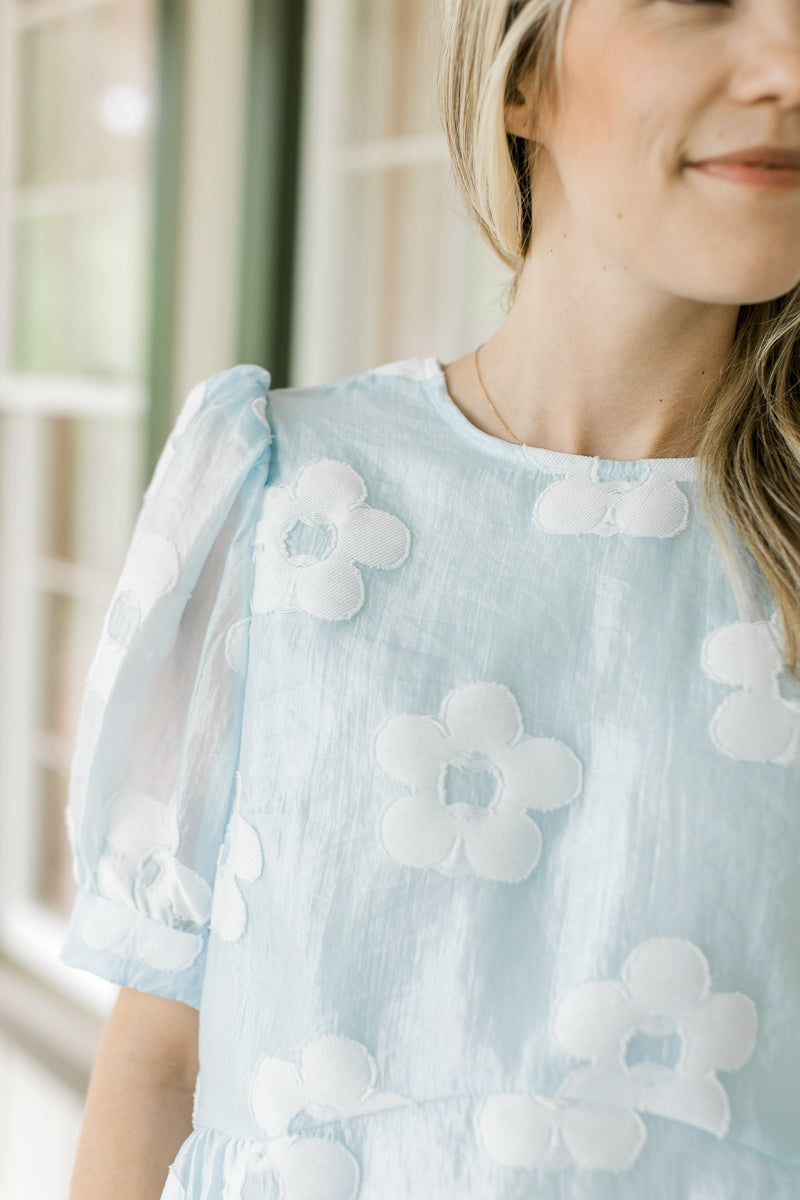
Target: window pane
x,y
405,272
418,281
70,630
55,885
394,50
85,94
81,228
80,212
91,476
80,291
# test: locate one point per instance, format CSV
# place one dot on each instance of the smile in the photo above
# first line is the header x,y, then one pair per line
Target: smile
x,y
774,178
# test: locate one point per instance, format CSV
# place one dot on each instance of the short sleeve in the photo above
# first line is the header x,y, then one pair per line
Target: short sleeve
x,y
153,771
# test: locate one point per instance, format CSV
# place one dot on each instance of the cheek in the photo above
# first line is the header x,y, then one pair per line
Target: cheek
x,y
613,152
618,106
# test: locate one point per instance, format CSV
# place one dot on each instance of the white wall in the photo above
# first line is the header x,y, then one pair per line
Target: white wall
x,y
40,1123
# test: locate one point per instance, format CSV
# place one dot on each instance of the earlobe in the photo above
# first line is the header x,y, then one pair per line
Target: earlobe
x,y
519,121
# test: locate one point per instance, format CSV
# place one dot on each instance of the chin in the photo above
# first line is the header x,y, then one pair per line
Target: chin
x,y
764,294
738,291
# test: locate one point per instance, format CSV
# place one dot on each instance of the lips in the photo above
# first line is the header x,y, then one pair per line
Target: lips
x,y
767,157
765,178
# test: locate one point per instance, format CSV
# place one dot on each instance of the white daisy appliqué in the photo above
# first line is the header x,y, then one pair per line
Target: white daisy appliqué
x,y
756,723
240,857
331,494
305,1168
664,993
140,875
478,729
333,1080
656,1039
653,506
534,1132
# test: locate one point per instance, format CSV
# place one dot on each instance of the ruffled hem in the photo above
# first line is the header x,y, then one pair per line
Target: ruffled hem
x,y
433,1151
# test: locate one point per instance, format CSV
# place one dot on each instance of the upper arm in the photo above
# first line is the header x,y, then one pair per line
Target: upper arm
x,y
159,1033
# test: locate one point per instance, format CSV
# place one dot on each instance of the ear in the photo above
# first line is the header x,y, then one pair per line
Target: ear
x,y
519,121
519,114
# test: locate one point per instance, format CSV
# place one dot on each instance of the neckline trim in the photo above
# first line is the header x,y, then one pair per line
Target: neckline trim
x,y
430,373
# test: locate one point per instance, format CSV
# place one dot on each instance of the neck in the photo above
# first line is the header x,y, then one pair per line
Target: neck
x,y
587,362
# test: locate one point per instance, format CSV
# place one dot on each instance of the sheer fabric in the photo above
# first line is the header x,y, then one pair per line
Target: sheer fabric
x,y
152,776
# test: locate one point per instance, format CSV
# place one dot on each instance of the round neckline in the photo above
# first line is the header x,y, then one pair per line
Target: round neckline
x,y
430,371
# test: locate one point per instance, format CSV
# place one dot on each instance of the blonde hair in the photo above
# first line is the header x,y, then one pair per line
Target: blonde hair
x,y
748,467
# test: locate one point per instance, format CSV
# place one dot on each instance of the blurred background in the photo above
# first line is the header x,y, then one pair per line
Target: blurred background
x,y
184,185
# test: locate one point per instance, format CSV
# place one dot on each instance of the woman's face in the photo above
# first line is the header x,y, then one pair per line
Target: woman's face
x,y
650,86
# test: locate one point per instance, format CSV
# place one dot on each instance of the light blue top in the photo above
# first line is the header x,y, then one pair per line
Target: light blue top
x,y
458,788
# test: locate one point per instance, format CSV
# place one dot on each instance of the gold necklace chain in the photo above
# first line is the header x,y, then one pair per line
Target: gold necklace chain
x,y
488,397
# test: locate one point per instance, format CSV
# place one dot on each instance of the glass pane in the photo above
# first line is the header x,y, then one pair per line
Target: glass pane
x,y
91,476
80,292
86,91
69,632
419,280
395,45
55,885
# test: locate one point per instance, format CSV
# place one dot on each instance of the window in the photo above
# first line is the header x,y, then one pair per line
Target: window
x,y
120,236
390,266
75,228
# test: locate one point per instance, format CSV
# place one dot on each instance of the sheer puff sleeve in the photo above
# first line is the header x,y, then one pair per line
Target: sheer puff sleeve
x,y
152,777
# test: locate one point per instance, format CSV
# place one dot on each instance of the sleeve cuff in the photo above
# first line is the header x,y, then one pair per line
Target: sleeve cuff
x,y
133,950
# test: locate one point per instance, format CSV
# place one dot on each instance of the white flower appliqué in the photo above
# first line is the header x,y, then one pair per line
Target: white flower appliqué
x,y
306,1168
664,992
653,506
140,874
333,1080
479,728
664,998
240,858
534,1132
755,723
331,494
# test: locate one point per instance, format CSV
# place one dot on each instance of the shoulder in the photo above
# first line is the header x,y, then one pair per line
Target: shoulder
x,y
247,384
221,430
377,382
356,401
368,420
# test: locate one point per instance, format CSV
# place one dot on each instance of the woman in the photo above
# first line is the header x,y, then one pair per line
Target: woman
x,y
441,747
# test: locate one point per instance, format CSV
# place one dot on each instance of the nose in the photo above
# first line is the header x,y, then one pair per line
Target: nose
x,y
769,62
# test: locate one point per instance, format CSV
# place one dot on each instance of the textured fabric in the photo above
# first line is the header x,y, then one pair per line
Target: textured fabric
x,y
457,786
